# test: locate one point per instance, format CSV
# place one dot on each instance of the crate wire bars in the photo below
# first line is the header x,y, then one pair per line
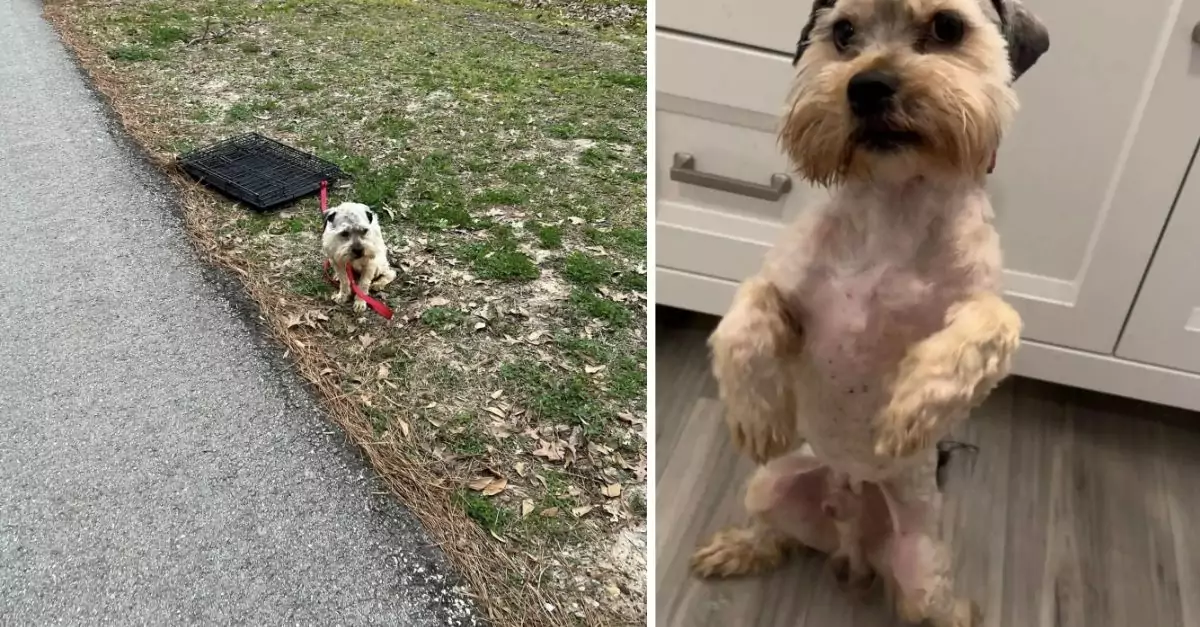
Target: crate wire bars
x,y
259,171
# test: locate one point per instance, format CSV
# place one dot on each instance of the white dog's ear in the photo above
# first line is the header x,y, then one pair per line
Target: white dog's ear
x,y
370,217
329,216
1028,39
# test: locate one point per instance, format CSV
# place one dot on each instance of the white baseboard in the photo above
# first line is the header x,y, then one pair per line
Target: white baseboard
x,y
1036,360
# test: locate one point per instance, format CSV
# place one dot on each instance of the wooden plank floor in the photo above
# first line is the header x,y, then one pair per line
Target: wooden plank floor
x,y
1078,510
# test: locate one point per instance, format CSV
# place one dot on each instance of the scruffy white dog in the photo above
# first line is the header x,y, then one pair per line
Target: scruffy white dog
x,y
876,324
352,234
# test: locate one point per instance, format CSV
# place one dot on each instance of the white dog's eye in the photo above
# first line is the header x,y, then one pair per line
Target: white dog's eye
x,y
345,234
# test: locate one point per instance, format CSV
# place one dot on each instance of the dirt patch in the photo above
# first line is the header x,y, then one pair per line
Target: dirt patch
x,y
505,148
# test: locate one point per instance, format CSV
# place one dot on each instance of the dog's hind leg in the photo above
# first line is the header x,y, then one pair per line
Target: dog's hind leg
x,y
386,275
784,499
946,374
751,349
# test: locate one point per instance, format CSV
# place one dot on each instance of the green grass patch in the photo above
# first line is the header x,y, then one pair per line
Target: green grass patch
x,y
464,437
483,510
441,317
585,270
548,236
557,396
498,258
585,304
133,52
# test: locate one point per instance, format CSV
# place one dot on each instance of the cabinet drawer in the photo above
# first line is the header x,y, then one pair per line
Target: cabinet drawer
x,y
711,214
768,24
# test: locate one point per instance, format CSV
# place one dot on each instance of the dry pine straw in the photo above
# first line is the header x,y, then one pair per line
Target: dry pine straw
x,y
513,579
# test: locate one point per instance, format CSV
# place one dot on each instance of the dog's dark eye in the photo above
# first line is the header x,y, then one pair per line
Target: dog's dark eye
x,y
843,34
947,28
345,234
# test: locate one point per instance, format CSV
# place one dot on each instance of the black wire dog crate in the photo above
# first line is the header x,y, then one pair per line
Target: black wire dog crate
x,y
259,171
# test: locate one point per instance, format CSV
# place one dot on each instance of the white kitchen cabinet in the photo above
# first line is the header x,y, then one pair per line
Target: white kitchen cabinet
x,y
1083,187
1164,327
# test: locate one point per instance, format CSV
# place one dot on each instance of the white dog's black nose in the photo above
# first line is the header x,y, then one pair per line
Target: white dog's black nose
x,y
357,250
871,92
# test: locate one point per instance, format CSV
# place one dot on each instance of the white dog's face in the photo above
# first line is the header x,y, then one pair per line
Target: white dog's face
x,y
352,233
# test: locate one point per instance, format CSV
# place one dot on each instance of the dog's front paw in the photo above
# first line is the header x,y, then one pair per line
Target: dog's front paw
x,y
737,552
925,391
340,298
762,441
360,305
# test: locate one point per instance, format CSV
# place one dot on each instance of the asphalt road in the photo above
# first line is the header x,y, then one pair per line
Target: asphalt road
x,y
159,464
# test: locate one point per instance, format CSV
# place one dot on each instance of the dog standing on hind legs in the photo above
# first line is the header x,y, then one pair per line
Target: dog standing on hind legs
x,y
876,323
352,235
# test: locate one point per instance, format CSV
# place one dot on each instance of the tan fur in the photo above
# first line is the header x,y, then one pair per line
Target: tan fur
x,y
876,323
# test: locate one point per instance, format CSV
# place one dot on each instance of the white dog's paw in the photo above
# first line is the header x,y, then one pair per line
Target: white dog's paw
x,y
339,297
360,305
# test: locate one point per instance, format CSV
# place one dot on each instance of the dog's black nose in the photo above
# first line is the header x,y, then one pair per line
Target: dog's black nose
x,y
357,249
870,92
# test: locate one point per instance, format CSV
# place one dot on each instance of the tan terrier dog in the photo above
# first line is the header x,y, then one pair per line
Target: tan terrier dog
x,y
352,235
876,324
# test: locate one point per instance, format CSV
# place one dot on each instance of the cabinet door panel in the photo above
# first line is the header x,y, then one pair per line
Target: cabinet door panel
x,y
1164,328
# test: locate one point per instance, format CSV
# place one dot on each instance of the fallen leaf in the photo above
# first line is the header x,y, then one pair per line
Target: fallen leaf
x,y
383,373
366,340
404,428
580,512
612,490
495,487
480,483
480,325
594,369
576,220
430,406
626,416
497,394
495,411
438,302
551,451
520,467
294,320
526,507
550,512
612,591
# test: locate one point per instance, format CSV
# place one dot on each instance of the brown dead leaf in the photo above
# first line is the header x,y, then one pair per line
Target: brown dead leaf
x,y
550,512
552,451
404,427
497,394
520,468
496,487
480,483
438,301
294,320
580,512
495,411
526,507
366,340
612,490
383,372
594,369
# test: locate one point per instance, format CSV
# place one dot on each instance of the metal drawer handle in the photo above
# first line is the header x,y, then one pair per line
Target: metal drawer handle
x,y
684,171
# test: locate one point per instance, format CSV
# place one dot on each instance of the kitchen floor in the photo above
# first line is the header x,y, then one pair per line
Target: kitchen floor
x,y
1074,512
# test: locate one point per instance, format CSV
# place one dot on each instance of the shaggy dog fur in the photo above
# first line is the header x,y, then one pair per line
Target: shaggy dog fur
x,y
876,324
352,235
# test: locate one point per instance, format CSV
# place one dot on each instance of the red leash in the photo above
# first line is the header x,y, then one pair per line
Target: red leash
x,y
375,305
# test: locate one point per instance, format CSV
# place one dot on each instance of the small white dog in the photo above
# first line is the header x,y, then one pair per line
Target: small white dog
x,y
352,235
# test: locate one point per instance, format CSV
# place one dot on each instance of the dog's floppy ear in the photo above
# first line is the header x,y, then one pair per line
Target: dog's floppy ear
x,y
1027,36
370,217
806,33
329,216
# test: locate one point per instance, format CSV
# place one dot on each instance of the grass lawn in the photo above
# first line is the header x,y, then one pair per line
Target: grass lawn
x,y
503,144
